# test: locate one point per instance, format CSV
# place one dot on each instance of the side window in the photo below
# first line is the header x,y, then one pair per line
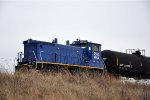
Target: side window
x,y
99,47
95,47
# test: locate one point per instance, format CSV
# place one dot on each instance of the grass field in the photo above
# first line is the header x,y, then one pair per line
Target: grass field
x,y
34,85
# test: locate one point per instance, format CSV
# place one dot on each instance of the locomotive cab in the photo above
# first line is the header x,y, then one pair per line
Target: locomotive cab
x,y
92,52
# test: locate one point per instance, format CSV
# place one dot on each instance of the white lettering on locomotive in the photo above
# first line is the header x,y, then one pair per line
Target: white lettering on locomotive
x,y
96,55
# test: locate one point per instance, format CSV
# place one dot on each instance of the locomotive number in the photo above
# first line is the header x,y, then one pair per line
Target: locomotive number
x,y
96,55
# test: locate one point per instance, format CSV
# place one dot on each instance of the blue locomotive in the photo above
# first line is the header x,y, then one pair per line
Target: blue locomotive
x,y
79,54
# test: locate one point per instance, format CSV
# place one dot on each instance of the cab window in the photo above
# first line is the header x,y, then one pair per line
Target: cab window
x,y
96,47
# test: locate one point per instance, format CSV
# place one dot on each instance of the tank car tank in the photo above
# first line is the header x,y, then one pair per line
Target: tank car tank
x,y
126,64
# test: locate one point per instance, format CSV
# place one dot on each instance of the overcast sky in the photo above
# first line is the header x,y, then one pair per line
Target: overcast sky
x,y
116,24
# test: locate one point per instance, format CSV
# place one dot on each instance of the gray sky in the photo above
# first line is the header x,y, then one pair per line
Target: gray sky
x,y
116,24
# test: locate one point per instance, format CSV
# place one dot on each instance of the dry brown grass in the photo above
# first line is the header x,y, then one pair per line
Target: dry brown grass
x,y
33,85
